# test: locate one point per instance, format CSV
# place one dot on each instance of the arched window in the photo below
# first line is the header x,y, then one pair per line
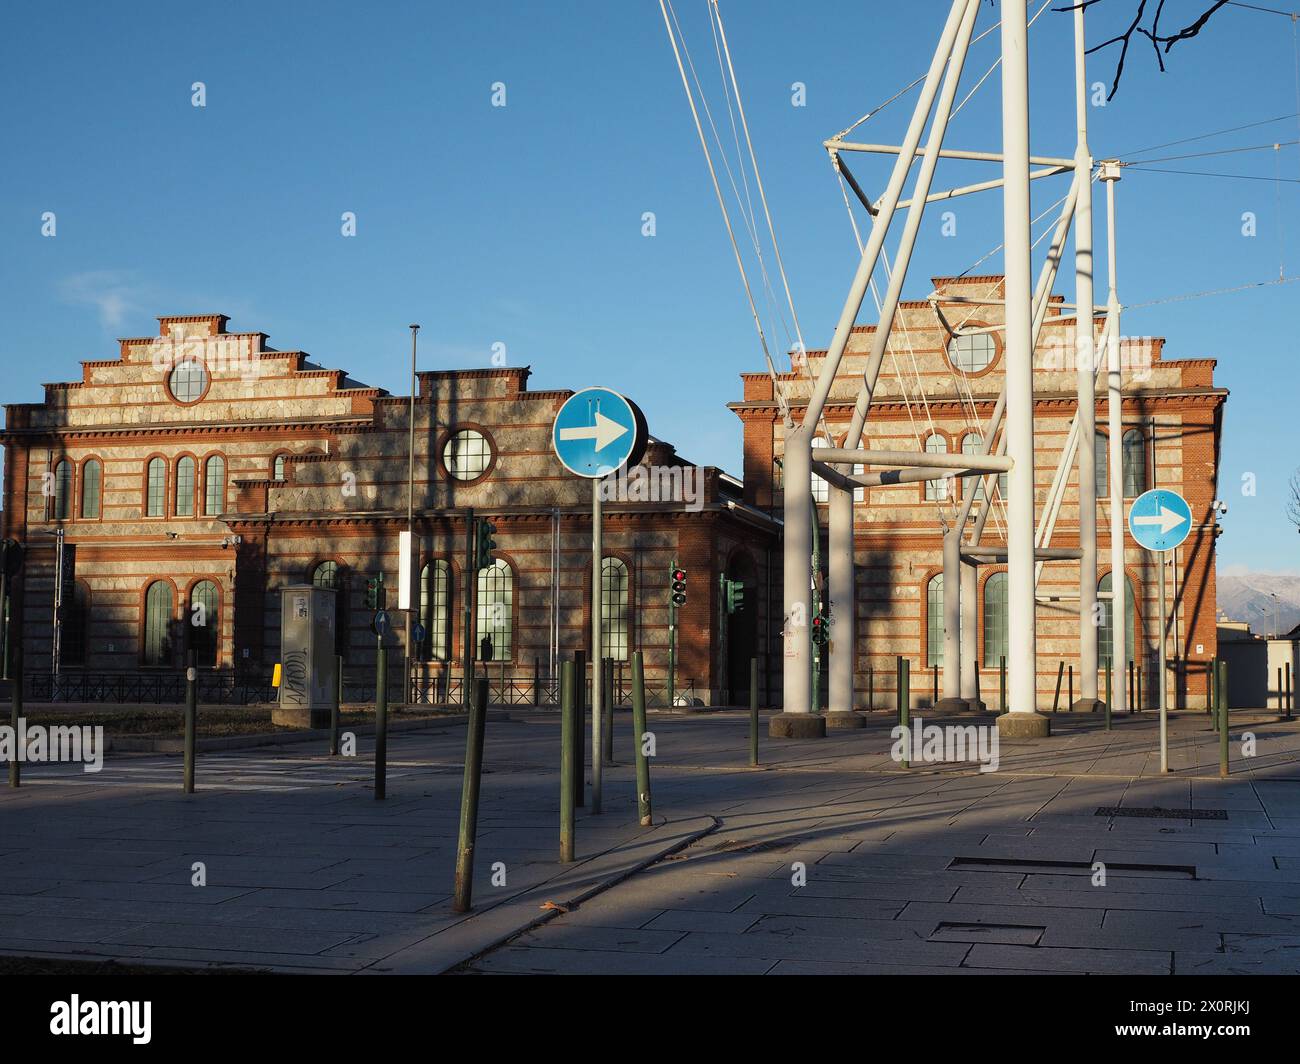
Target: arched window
x,y
973,443
934,621
328,574
205,622
158,614
435,609
214,486
613,609
92,477
936,490
72,637
995,619
1101,459
63,490
277,469
1135,463
1105,631
821,491
155,496
185,471
496,610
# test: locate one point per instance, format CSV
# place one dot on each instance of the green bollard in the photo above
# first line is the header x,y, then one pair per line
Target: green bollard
x,y
1130,686
904,697
464,887
1222,691
1069,698
568,750
1288,690
871,687
638,737
607,708
578,687
335,705
1060,672
1108,683
15,766
1137,683
753,712
381,721
191,719
1002,684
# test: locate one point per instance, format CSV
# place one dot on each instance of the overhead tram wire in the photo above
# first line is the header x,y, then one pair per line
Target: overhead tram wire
x,y
750,224
726,217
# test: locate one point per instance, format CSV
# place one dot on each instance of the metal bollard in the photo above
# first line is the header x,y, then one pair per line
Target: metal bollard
x,y
1070,697
871,687
1130,685
577,685
464,887
569,735
638,737
336,704
607,707
904,697
1222,690
1137,680
1002,683
1060,672
191,719
16,712
537,683
1108,693
753,712
381,722
1288,690
935,670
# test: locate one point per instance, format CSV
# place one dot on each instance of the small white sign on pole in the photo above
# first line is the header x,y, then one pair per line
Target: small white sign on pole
x,y
405,569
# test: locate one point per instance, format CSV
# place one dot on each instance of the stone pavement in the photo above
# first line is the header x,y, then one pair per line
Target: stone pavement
x,y
937,868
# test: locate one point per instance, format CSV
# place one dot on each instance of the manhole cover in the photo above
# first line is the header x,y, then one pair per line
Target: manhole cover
x,y
1156,813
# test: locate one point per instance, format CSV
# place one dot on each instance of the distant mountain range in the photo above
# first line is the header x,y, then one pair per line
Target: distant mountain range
x,y
1249,597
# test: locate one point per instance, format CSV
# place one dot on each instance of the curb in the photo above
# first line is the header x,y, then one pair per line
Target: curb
x,y
485,929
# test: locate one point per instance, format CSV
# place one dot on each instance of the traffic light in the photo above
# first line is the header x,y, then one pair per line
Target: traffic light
x,y
679,587
375,597
820,629
484,544
735,595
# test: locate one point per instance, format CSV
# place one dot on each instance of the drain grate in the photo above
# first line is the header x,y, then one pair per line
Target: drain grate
x,y
1156,813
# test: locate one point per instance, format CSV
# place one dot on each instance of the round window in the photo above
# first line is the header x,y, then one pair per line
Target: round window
x,y
188,381
972,353
467,455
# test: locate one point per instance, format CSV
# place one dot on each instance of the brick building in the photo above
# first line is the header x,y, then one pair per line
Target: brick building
x,y
934,393
201,471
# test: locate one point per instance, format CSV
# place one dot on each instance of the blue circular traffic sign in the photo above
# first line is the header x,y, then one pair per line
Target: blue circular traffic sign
x,y
418,633
597,432
1159,519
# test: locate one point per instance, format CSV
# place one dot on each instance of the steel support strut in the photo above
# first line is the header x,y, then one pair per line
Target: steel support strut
x,y
1022,717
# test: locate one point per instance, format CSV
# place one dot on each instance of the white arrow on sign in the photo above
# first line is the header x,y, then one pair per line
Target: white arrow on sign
x,y
605,431
1166,519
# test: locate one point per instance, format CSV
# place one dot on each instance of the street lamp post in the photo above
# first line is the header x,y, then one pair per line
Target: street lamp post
x,y
412,574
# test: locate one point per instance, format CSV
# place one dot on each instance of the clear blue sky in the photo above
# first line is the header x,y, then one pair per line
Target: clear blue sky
x,y
522,224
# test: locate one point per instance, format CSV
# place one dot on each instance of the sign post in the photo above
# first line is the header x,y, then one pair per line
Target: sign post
x,y
596,433
1159,520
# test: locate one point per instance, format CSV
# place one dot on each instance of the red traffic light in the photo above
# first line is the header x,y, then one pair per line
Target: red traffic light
x,y
679,575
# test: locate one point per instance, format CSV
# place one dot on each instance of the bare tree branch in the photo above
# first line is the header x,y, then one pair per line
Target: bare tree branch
x,y
1293,503
1152,34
